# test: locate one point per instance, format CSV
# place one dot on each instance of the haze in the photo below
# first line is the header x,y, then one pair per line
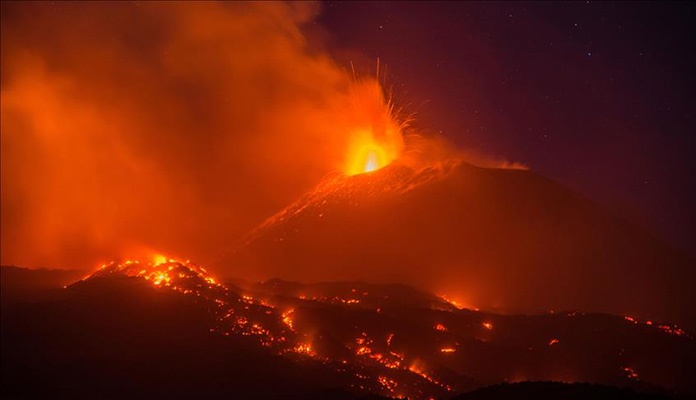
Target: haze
x,y
173,128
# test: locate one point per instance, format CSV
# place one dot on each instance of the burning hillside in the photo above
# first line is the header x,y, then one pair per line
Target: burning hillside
x,y
286,326
395,341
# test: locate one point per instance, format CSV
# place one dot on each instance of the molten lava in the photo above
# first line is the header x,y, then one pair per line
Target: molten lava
x,y
378,140
418,354
366,155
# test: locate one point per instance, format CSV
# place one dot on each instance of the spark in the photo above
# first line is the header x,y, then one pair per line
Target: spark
x,y
388,384
305,348
288,319
389,339
630,372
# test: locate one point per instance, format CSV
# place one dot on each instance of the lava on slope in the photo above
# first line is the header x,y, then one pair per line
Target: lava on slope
x,y
501,239
395,341
274,325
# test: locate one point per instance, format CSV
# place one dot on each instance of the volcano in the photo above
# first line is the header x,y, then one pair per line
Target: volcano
x,y
500,239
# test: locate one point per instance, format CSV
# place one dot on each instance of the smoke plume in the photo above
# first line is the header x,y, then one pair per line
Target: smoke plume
x,y
139,127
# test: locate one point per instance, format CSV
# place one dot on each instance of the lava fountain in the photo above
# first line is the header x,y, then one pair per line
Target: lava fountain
x,y
379,140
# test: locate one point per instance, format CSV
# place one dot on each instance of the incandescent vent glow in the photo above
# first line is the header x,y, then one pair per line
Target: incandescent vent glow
x,y
375,132
372,162
366,154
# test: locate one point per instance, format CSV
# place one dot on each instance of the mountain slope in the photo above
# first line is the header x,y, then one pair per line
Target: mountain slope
x,y
168,329
498,239
114,336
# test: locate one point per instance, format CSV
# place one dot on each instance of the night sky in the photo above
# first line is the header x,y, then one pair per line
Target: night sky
x,y
598,96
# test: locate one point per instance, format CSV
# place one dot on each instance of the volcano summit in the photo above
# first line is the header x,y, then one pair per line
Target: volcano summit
x,y
498,239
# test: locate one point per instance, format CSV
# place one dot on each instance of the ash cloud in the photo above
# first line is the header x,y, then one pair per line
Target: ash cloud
x,y
135,127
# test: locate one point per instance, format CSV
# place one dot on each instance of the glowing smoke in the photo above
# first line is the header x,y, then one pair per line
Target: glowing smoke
x,y
167,126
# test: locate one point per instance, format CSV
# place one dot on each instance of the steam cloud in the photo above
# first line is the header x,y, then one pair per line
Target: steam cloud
x,y
162,126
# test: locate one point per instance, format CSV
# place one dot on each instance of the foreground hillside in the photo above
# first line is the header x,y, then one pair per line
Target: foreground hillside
x,y
169,329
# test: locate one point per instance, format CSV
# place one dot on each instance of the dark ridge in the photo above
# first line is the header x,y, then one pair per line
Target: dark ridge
x,y
556,390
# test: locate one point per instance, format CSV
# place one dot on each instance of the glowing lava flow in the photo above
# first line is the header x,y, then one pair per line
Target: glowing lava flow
x,y
161,271
376,359
244,315
664,327
233,314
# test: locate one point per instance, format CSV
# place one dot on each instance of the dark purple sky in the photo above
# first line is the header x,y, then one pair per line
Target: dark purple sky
x,y
599,96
